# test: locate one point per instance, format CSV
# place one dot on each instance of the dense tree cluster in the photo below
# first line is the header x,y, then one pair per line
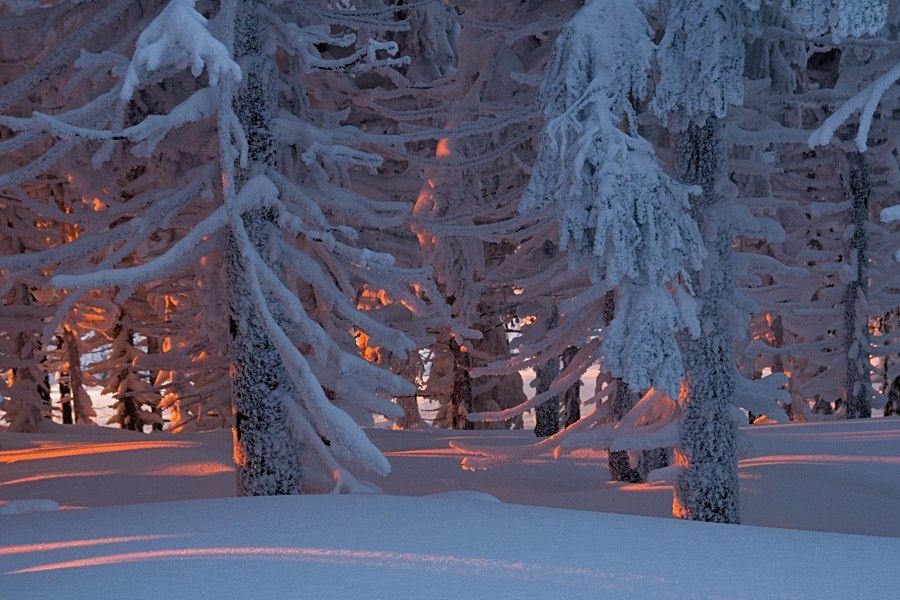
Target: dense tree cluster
x,y
286,217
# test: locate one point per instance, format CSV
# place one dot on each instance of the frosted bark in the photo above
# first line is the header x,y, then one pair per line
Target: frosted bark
x,y
707,489
571,410
547,413
856,343
620,468
264,451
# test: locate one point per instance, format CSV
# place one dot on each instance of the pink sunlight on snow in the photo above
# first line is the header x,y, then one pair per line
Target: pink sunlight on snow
x,y
804,476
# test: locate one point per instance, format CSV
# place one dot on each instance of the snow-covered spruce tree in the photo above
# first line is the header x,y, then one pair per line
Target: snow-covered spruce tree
x,y
499,70
763,275
619,213
82,404
24,388
283,224
701,58
137,399
50,184
626,226
825,343
873,94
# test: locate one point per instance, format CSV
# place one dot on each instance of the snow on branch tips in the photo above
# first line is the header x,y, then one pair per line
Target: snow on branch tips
x,y
176,39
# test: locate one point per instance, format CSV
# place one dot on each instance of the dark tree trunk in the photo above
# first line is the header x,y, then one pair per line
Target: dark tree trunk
x,y
623,400
892,406
821,407
65,404
546,413
856,333
153,348
572,399
44,393
461,396
65,390
128,407
620,468
650,460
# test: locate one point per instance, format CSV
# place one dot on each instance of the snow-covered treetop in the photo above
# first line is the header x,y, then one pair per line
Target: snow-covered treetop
x,y
701,61
617,209
176,39
618,206
602,55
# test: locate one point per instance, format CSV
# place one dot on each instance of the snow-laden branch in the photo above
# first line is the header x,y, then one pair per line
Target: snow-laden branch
x,y
346,438
865,102
179,38
149,132
180,253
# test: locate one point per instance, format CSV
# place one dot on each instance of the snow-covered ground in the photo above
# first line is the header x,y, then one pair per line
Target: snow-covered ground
x,y
389,547
832,477
841,476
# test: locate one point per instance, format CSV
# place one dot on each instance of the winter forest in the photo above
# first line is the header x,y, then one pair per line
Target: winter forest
x,y
480,289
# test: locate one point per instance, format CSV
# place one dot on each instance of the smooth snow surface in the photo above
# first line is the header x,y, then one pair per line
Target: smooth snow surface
x,y
391,547
813,476
457,541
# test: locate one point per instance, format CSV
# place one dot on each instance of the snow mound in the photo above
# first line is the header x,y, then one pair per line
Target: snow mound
x,y
466,495
18,507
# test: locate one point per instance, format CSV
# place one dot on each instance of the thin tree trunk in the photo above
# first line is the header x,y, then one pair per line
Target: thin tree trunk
x,y
623,399
497,392
153,347
127,406
266,455
411,417
461,396
65,399
856,342
547,413
572,398
892,407
822,407
44,393
620,468
707,488
82,405
65,390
